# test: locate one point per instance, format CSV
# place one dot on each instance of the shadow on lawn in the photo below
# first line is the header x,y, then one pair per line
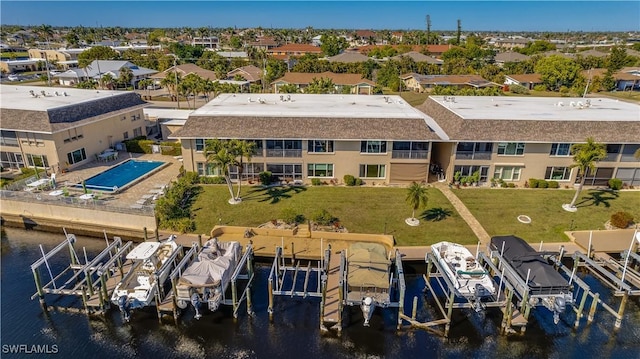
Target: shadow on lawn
x,y
272,195
436,214
598,197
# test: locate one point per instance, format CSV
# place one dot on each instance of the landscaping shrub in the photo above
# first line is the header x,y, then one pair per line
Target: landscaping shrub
x,y
621,219
615,184
289,215
349,180
265,177
359,182
553,184
533,183
323,217
543,184
519,89
171,148
316,182
511,185
138,144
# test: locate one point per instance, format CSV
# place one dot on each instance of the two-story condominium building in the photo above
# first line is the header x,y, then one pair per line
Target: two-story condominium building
x,y
517,138
381,139
64,128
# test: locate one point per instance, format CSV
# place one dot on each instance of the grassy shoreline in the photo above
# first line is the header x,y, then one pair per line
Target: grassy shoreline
x,y
384,209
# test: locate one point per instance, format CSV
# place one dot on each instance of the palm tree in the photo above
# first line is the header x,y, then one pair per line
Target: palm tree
x,y
107,81
585,156
417,198
219,154
126,75
244,149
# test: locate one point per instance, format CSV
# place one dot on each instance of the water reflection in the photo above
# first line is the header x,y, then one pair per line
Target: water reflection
x,y
295,329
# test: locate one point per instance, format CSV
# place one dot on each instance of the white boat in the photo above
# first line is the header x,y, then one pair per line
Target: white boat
x,y
150,269
470,279
206,279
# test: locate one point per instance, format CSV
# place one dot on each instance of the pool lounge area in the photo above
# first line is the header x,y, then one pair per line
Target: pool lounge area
x,y
122,175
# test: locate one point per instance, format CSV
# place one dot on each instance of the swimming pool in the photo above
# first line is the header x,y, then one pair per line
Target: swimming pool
x,y
121,176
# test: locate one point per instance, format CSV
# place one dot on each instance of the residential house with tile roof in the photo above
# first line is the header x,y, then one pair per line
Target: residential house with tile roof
x,y
348,57
528,81
63,128
250,73
287,51
98,68
419,57
509,56
301,80
424,83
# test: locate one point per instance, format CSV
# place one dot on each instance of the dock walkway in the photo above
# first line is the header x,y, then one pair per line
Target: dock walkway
x,y
332,299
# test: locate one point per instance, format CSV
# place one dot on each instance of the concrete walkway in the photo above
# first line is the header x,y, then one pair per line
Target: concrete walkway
x,y
464,212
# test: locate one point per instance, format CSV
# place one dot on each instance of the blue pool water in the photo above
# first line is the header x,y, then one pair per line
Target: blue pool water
x,y
119,176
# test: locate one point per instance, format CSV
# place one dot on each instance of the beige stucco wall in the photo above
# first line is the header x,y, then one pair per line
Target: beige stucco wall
x,y
346,159
96,137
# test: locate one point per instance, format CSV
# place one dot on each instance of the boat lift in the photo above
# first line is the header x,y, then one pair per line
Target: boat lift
x,y
244,273
396,290
283,278
437,281
88,281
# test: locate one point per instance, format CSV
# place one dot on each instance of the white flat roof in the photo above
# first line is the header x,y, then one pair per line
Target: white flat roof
x,y
18,97
540,108
306,105
167,113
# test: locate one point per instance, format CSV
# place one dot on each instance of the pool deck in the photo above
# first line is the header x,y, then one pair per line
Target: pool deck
x,y
131,195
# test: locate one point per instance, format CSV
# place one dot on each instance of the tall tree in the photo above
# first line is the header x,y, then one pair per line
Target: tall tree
x,y
243,150
585,157
126,76
557,71
332,45
222,155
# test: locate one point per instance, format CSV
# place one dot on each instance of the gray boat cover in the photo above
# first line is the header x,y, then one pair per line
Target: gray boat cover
x,y
543,278
368,266
210,268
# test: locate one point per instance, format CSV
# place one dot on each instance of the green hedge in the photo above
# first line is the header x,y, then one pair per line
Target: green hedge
x,y
171,148
139,144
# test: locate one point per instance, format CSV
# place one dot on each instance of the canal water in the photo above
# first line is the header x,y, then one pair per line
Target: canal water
x,y
294,331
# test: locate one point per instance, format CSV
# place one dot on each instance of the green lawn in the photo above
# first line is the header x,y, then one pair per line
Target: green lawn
x,y
497,210
359,209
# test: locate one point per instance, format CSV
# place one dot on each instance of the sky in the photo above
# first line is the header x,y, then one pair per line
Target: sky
x,y
477,15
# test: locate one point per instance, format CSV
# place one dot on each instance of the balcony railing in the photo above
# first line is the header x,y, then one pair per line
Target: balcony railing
x,y
470,155
405,154
611,157
284,153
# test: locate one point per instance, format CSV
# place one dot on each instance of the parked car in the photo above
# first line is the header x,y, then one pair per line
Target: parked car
x,y
13,77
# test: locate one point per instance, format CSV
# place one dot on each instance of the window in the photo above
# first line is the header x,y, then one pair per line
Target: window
x,y
629,176
560,149
8,138
76,156
470,170
137,132
557,173
11,160
511,149
125,135
372,171
200,144
407,149
250,171
285,170
320,146
284,148
258,148
612,152
373,146
37,160
207,169
628,151
320,170
507,173
474,150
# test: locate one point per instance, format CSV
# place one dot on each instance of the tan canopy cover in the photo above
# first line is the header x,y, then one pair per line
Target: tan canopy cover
x,y
368,266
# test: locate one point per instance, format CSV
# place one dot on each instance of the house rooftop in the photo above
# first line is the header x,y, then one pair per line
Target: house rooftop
x,y
308,105
540,108
20,98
